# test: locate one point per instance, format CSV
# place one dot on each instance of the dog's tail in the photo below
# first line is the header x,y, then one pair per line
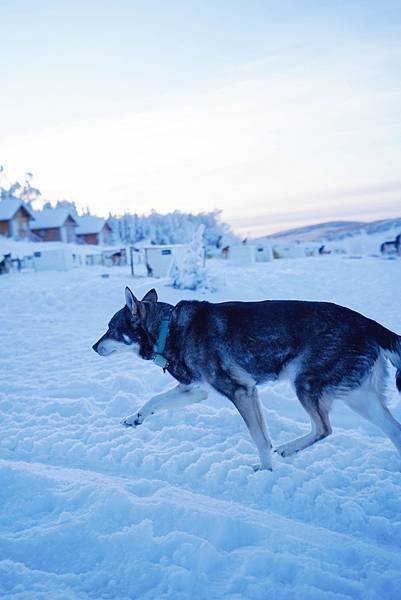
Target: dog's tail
x,y
391,346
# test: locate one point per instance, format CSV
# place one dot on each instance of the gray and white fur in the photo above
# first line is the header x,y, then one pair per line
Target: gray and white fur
x,y
327,351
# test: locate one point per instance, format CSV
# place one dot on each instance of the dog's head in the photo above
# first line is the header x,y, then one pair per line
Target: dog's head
x,y
127,331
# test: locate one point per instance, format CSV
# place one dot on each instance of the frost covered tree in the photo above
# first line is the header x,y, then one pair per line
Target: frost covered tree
x,y
191,274
172,228
25,191
69,205
6,187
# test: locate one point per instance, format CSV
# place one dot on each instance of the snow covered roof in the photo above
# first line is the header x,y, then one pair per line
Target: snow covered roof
x,y
162,246
89,224
52,217
10,205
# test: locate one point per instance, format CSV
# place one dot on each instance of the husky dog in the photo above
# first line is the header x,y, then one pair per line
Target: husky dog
x,y
326,350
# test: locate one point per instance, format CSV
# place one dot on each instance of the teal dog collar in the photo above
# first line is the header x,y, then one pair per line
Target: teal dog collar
x,y
158,358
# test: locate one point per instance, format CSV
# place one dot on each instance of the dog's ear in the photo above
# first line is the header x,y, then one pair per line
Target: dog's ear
x,y
150,296
132,303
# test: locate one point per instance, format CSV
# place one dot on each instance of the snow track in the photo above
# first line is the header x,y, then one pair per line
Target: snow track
x,y
172,509
214,541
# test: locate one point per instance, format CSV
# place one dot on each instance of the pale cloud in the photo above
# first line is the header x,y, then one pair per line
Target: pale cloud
x,y
271,145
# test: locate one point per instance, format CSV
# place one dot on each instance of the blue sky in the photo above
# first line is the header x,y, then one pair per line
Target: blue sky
x,y
279,113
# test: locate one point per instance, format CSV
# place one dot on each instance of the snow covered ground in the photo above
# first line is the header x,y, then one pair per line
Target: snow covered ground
x,y
172,509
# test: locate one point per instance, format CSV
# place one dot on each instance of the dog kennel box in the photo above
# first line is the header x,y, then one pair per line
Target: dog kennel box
x,y
159,260
263,253
242,255
93,259
311,250
288,251
57,259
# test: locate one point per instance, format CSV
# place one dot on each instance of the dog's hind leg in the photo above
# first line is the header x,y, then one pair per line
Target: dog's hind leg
x,y
177,397
370,404
318,414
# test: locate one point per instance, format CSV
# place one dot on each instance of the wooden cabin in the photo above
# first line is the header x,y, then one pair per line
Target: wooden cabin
x,y
94,230
55,225
15,218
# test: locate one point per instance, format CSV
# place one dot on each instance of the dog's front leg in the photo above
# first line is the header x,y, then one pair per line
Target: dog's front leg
x,y
245,398
178,397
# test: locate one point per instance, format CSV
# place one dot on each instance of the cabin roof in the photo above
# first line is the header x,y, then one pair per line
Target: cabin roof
x,y
161,246
10,205
49,218
89,224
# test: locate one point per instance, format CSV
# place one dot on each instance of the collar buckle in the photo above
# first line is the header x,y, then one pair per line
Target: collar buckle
x,y
160,361
158,358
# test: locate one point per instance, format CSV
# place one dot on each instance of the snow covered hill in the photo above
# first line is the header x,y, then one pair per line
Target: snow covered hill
x,y
173,509
344,235
318,231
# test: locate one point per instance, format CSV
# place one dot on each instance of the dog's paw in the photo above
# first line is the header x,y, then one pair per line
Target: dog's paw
x,y
286,450
257,468
133,420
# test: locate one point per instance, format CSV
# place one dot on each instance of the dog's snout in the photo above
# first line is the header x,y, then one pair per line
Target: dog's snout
x,y
100,347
